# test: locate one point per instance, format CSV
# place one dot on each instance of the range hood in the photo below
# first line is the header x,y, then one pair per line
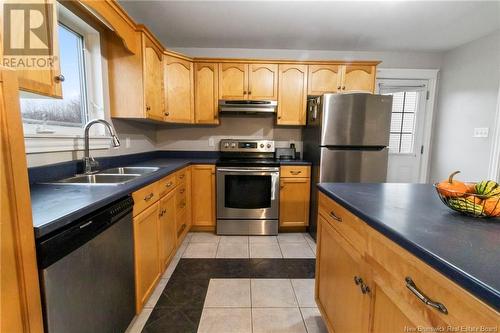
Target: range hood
x,y
245,106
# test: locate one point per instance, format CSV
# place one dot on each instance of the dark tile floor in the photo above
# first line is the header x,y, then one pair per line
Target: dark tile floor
x,y
180,305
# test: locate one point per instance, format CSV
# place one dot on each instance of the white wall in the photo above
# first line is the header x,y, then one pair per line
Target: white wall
x,y
247,127
467,98
389,59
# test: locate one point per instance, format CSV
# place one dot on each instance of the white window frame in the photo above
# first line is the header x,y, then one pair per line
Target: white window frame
x,y
431,75
68,138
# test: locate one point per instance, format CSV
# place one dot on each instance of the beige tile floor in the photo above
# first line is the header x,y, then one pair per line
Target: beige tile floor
x,y
248,305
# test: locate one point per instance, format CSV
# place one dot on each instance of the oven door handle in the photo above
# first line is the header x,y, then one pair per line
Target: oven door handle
x,y
250,170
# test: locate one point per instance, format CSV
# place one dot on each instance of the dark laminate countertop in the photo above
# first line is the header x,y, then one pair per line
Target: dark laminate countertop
x,y
55,206
465,249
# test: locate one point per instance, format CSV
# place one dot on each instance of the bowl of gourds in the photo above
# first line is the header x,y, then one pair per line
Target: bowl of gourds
x,y
480,199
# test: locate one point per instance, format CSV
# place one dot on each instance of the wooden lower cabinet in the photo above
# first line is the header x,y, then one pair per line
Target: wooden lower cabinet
x,y
203,195
344,306
147,253
294,202
364,287
168,232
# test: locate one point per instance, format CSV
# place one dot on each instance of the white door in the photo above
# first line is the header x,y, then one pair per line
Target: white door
x,y
407,128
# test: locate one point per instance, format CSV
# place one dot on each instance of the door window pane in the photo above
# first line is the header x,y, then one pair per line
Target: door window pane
x,y
71,109
404,108
247,192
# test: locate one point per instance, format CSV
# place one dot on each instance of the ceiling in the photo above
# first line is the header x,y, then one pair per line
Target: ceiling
x,y
318,25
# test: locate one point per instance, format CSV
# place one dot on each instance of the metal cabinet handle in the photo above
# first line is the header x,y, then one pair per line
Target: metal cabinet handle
x,y
335,217
149,197
244,92
249,92
295,172
148,108
181,176
339,87
60,78
166,114
183,205
343,88
362,285
182,191
169,184
421,296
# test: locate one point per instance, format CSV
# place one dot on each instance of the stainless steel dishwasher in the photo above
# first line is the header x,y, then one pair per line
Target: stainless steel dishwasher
x,y
87,273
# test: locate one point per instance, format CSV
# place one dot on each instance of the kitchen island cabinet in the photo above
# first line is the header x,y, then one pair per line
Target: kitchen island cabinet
x,y
384,249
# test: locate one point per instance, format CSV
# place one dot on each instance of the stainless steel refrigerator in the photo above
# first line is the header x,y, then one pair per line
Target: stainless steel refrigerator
x,y
346,139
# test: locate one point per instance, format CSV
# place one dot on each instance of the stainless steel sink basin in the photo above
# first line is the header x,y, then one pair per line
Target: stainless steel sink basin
x,y
129,171
97,179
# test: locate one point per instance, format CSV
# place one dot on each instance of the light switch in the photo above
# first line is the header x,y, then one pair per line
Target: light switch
x,y
481,132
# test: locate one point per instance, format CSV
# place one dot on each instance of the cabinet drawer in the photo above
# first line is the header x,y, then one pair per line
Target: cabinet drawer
x,y
348,225
294,171
145,197
167,184
180,198
393,267
181,222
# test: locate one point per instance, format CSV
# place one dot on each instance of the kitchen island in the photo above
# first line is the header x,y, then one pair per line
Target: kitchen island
x,y
398,245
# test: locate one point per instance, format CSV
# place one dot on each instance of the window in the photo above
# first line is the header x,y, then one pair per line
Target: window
x,y
404,108
71,110
52,124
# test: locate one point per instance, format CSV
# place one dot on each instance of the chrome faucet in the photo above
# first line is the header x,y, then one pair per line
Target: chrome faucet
x,y
90,162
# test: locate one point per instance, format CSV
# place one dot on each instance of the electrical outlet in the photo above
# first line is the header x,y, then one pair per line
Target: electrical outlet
x,y
127,142
211,142
481,132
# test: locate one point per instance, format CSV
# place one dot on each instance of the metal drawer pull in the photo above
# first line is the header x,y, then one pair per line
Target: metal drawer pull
x,y
359,282
169,184
181,176
421,296
182,191
149,197
86,224
335,217
295,172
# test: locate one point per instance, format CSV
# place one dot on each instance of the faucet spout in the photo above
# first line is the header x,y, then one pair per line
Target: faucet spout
x,y
89,162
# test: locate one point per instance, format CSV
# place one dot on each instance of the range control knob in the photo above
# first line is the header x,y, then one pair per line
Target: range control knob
x,y
226,145
261,145
233,145
268,145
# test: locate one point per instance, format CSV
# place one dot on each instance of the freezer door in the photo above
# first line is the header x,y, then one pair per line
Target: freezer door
x,y
356,119
363,166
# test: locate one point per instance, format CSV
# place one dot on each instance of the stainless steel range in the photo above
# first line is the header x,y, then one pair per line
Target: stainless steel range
x,y
247,188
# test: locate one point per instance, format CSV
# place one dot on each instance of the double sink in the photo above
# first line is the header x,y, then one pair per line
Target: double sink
x,y
113,176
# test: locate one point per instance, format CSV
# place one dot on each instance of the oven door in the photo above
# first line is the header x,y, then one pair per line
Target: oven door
x,y
247,193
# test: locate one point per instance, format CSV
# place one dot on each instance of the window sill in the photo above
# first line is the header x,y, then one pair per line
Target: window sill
x,y
40,143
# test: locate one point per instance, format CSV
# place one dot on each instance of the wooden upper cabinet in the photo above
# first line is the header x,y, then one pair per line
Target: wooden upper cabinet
x,y
206,93
324,79
358,78
153,80
263,82
179,92
42,81
233,81
292,94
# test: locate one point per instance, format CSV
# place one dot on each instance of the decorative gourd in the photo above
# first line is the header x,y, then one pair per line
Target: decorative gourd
x,y
474,199
451,187
492,206
486,188
466,206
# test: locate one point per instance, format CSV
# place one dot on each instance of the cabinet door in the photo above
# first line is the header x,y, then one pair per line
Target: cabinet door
x,y
233,81
147,253
292,94
344,307
358,78
168,234
206,93
153,81
294,202
42,81
203,195
323,79
179,90
263,81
